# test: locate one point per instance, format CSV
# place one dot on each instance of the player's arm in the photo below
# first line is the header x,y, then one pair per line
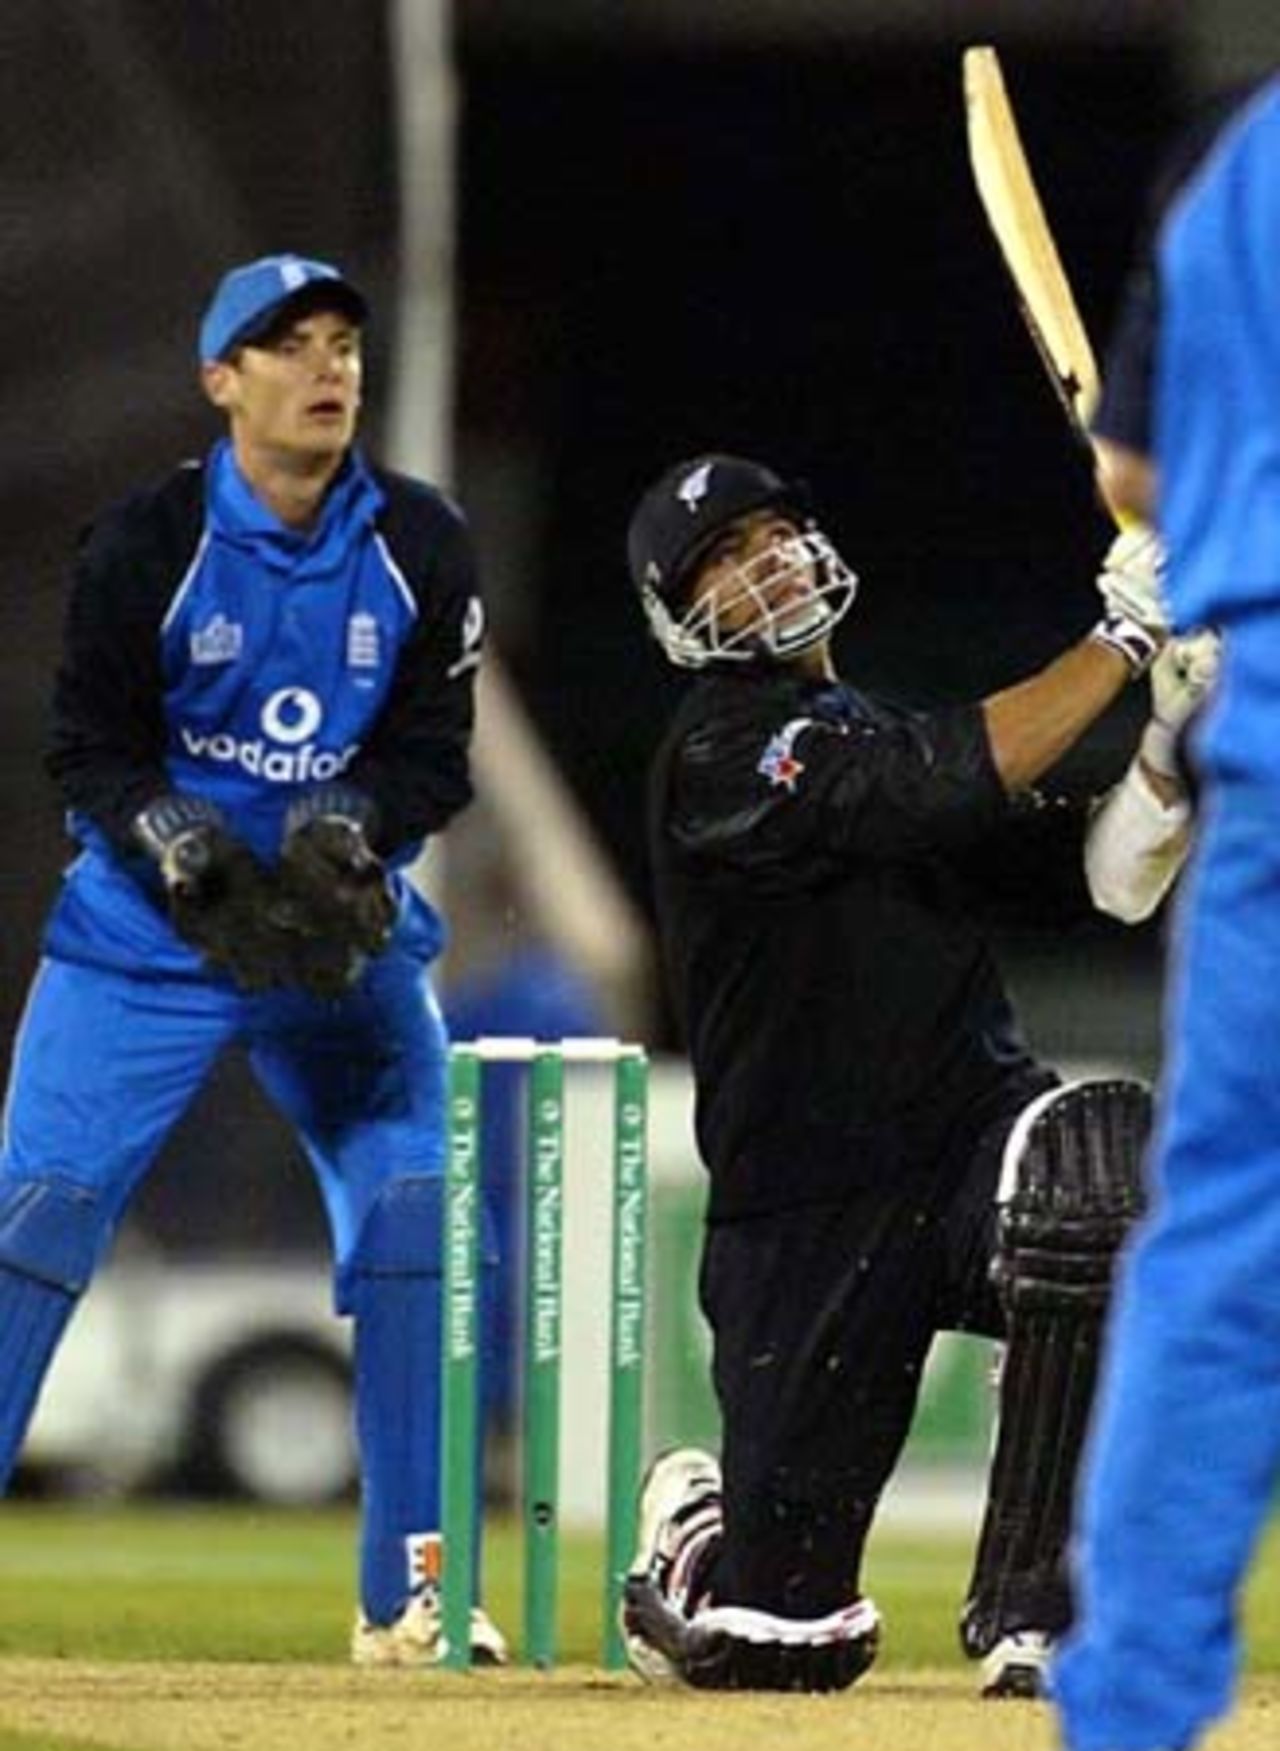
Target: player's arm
x,y
412,774
1032,724
1140,833
414,769
1135,846
788,800
106,750
785,798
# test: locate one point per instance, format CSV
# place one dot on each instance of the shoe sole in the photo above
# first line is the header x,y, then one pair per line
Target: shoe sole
x,y
1019,1682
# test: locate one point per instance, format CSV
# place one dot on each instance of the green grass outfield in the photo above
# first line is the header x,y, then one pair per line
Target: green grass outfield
x,y
221,1584
197,1629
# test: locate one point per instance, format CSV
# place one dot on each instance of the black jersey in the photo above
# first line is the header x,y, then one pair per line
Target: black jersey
x,y
817,856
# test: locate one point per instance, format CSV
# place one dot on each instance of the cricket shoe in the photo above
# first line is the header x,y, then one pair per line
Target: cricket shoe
x,y
680,1523
1018,1665
416,1638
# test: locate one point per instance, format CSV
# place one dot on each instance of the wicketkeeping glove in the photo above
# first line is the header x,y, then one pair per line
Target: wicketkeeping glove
x,y
218,895
1181,676
333,883
1135,619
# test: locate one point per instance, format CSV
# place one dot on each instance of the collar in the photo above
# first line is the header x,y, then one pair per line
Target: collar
x,y
238,515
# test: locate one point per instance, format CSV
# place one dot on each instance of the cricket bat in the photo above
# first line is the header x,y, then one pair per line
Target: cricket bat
x,y
1016,216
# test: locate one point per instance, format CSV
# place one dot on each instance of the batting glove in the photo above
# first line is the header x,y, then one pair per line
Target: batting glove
x,y
1135,620
1181,676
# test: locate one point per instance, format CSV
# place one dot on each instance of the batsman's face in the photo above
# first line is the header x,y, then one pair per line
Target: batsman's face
x,y
768,587
758,568
296,394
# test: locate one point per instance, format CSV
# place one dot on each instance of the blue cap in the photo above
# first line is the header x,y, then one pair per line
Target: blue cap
x,y
250,298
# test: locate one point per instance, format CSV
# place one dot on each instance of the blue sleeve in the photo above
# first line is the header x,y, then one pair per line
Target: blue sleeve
x,y
1217,428
1124,411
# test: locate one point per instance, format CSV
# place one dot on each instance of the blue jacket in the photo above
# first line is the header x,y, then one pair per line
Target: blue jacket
x,y
210,649
1218,375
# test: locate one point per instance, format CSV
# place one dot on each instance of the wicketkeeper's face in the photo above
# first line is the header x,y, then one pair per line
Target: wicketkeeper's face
x,y
296,393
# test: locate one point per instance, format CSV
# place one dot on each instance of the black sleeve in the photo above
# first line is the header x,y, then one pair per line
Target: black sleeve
x,y
1029,872
106,751
789,802
415,764
1123,413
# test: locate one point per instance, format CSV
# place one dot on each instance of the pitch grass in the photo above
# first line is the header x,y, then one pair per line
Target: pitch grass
x,y
159,1627
183,1583
236,1584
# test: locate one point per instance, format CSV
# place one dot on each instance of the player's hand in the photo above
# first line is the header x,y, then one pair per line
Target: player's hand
x,y
330,876
1135,619
218,894
1131,581
1181,676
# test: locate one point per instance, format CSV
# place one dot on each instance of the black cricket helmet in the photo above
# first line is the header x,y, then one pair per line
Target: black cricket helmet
x,y
677,522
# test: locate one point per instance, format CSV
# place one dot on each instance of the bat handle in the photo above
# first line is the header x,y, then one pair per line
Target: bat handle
x,y
1125,481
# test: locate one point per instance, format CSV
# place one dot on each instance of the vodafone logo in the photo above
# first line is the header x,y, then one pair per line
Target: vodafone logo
x,y
285,752
291,715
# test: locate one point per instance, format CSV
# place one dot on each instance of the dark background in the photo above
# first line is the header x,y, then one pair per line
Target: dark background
x,y
782,256
756,242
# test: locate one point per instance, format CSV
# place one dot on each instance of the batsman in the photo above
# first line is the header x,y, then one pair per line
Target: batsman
x,y
262,712
887,1158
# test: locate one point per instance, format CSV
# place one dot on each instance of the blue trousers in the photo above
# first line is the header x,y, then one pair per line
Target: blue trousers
x,y
105,1064
1185,1452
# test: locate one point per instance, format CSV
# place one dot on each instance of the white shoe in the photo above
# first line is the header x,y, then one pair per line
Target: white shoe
x,y
680,1515
416,1637
1018,1665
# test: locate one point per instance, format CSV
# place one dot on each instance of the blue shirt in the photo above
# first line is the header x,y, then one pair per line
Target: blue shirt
x,y
1218,375
213,650
278,649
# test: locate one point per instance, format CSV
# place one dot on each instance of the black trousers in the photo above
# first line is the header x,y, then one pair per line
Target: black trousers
x,y
822,1318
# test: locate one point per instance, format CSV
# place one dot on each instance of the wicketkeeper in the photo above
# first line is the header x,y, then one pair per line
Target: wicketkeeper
x,y
263,709
887,1159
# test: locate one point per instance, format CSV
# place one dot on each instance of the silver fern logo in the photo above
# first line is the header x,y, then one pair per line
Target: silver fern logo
x,y
694,487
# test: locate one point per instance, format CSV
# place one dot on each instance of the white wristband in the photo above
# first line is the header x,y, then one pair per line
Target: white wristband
x,y
1136,643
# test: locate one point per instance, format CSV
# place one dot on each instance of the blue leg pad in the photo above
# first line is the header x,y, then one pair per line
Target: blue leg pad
x,y
392,1286
52,1229
52,1233
33,1316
